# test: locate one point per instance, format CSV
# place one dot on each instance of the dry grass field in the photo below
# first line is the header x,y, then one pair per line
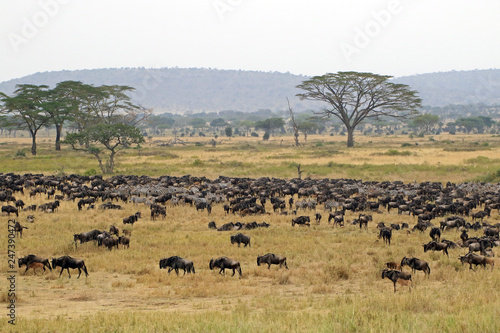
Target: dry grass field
x,y
334,279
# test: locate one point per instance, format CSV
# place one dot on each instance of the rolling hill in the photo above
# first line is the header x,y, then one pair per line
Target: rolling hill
x,y
181,90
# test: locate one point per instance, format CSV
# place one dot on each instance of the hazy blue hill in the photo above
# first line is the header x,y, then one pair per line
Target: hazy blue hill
x,y
207,90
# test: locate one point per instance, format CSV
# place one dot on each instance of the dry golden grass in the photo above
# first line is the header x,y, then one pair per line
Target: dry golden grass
x,y
333,283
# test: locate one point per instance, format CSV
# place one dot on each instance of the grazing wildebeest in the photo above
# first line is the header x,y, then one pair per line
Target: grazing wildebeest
x,y
132,218
464,236
175,263
86,236
33,258
301,220
271,259
386,234
318,218
19,204
125,241
240,238
475,259
225,263
416,264
435,234
211,225
10,209
66,262
435,246
395,275
18,228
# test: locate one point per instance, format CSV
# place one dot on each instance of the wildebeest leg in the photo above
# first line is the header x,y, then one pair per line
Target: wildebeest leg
x,y
27,266
79,272
394,285
269,265
446,251
169,270
61,272
67,268
222,270
177,271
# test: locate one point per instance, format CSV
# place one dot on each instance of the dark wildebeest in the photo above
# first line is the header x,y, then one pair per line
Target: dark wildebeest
x,y
271,259
175,263
66,262
363,220
385,234
211,225
18,228
395,275
435,234
30,258
10,209
416,264
86,236
110,242
475,259
225,263
240,238
318,218
125,241
19,204
435,246
301,220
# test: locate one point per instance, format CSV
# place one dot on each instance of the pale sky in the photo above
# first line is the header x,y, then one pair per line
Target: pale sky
x,y
390,37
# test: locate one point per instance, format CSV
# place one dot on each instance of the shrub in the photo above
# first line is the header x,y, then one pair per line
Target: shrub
x,y
255,135
265,137
406,144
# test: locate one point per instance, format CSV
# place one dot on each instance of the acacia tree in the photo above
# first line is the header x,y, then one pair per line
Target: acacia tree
x,y
354,97
425,121
104,141
26,110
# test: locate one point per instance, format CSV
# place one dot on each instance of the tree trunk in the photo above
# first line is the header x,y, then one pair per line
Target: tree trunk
x,y
33,143
58,136
350,137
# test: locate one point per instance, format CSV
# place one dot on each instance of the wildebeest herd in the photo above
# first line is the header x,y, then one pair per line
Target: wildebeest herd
x,y
464,207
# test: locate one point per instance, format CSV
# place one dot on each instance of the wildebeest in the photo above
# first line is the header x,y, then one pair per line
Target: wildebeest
x,y
113,230
211,225
67,262
10,209
301,220
435,246
435,234
125,241
475,259
393,265
338,218
86,236
18,228
225,263
35,266
395,275
363,220
386,234
110,242
416,264
132,218
239,238
318,218
271,259
176,263
30,258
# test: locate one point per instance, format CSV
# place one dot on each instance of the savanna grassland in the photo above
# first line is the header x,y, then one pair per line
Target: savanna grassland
x,y
334,282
